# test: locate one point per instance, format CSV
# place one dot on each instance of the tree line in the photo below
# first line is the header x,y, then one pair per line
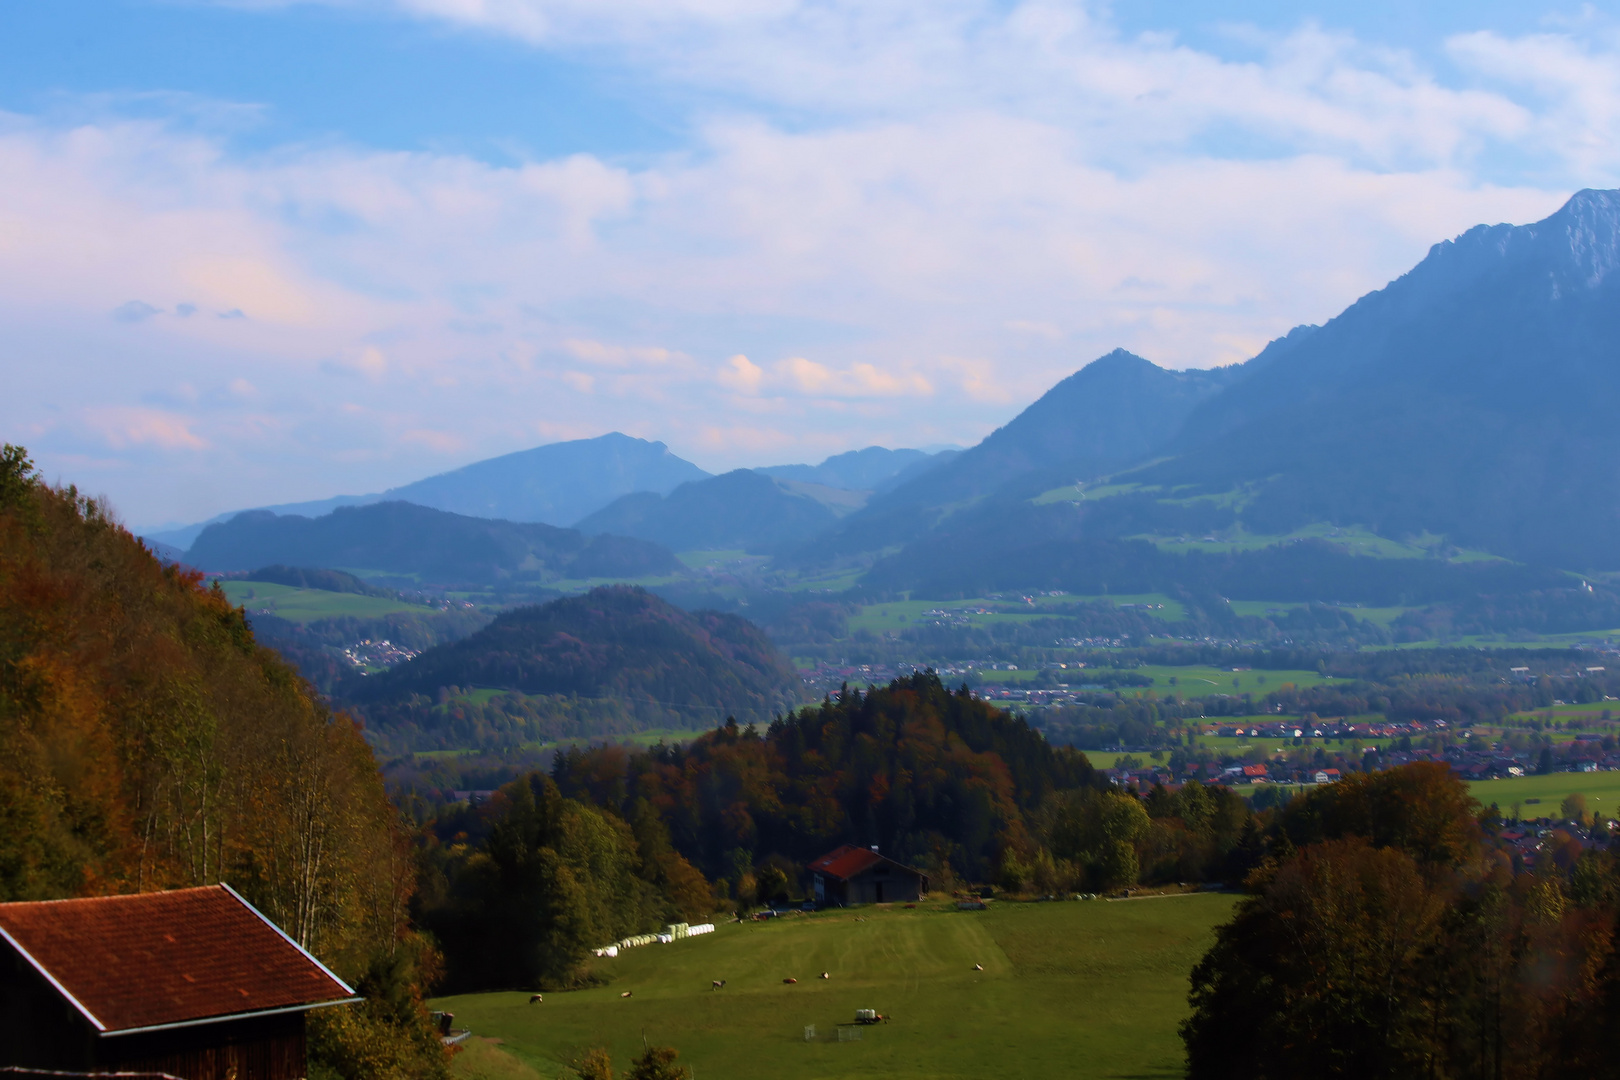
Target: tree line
x,y
1386,935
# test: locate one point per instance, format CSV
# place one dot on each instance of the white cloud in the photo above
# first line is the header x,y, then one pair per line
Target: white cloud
x,y
742,374
972,201
122,428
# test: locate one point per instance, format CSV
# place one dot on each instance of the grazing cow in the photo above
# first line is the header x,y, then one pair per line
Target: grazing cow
x,y
535,999
718,983
789,982
625,994
978,967
824,975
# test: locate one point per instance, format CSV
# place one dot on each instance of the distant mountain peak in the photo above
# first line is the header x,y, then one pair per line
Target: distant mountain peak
x,y
1590,223
1577,248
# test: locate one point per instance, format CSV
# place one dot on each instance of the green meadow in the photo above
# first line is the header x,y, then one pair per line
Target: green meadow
x,y
1602,791
307,605
983,611
1067,989
1585,711
649,737
1194,681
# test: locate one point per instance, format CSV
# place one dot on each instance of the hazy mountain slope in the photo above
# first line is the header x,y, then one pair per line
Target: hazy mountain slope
x,y
738,510
1091,549
618,642
1475,396
857,470
1113,412
916,469
1116,411
442,548
555,484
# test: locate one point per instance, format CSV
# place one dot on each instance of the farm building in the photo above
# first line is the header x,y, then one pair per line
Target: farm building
x,y
193,983
856,875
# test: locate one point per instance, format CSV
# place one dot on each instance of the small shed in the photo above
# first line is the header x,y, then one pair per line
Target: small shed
x,y
194,983
855,875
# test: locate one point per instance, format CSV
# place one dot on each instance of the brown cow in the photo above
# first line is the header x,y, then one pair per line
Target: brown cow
x,y
789,982
535,999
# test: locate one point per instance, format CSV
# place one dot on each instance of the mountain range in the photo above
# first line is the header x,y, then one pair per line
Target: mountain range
x,y
556,484
563,483
1461,418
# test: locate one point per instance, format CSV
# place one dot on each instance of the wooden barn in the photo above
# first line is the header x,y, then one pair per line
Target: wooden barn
x,y
193,983
856,875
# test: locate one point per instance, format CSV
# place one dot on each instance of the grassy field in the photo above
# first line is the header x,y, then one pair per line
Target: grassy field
x,y
307,605
635,738
898,614
1199,681
1072,989
1602,791
1588,711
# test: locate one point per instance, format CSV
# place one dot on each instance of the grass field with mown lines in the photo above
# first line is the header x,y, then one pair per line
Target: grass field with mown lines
x,y
1069,989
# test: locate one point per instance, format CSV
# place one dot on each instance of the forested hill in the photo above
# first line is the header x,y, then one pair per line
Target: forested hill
x,y
936,778
149,743
617,641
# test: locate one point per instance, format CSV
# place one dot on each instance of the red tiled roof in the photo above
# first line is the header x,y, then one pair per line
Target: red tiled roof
x,y
167,957
847,861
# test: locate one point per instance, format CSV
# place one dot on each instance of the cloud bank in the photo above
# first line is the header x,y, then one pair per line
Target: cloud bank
x,y
891,223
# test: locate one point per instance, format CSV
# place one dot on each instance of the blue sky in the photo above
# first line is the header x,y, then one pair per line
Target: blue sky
x,y
258,252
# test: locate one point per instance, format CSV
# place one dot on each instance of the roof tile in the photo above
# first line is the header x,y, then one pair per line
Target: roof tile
x,y
167,957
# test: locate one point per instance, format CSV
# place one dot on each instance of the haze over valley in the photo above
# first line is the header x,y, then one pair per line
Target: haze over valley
x,y
952,540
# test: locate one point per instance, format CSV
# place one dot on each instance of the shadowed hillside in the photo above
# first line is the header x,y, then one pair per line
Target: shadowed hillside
x,y
400,538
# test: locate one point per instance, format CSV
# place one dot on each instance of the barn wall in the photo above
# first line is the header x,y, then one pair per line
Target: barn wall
x,y
895,887
37,1027
265,1048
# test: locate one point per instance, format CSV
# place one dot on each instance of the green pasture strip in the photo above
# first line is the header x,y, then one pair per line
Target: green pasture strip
x,y
1190,681
1485,641
702,560
1201,681
833,583
637,738
899,614
1171,611
307,605
1072,493
1602,791
1586,710
1075,989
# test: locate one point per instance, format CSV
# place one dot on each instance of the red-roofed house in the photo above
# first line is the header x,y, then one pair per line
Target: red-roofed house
x,y
194,983
856,875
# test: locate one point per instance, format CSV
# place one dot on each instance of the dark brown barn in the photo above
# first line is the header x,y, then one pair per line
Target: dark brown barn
x,y
194,983
856,875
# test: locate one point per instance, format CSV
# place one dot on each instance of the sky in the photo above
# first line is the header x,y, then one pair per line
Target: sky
x,y
257,251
